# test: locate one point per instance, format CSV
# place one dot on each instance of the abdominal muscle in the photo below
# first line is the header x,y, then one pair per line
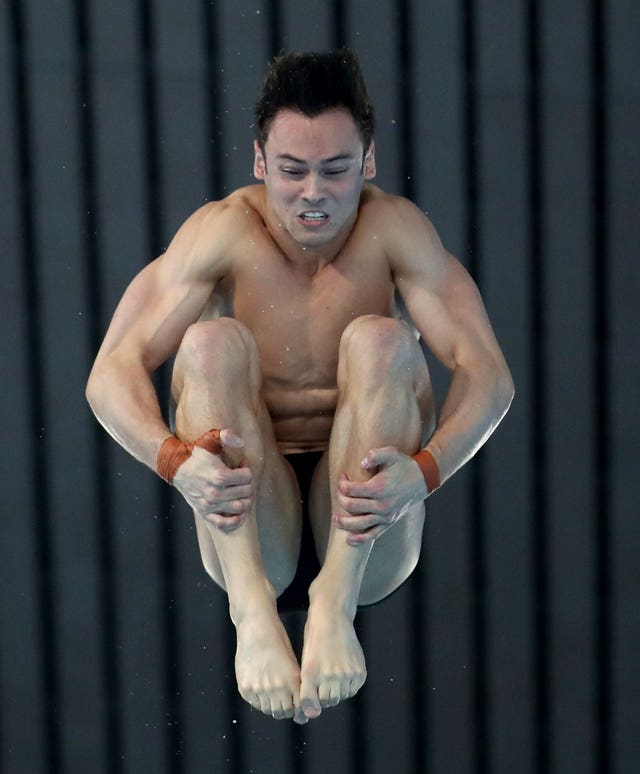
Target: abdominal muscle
x,y
301,419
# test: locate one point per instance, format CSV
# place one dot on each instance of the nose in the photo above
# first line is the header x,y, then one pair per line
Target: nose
x,y
312,193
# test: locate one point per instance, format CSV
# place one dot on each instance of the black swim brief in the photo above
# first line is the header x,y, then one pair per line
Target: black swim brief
x,y
295,597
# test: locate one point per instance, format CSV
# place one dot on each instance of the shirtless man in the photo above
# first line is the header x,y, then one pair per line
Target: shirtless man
x,y
279,302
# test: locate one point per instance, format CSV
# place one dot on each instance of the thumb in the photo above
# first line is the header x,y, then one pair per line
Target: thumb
x,y
233,453
230,439
386,455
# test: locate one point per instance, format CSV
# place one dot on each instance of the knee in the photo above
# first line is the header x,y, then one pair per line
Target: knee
x,y
218,344
380,345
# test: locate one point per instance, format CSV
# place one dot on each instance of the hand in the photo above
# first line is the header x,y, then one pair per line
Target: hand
x,y
221,494
371,507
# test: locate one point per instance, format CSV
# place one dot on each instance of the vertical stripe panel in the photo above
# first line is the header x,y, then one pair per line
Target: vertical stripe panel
x,y
538,411
154,224
623,170
85,105
600,333
472,141
47,612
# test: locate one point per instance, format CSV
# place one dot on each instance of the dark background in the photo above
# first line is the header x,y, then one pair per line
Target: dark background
x,y
514,647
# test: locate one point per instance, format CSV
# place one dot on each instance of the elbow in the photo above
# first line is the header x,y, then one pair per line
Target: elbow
x,y
96,385
505,389
91,389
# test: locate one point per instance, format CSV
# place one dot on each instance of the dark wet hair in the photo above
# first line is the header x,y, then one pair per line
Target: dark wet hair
x,y
312,83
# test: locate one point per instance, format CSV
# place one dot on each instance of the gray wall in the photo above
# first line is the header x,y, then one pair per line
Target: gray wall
x,y
514,647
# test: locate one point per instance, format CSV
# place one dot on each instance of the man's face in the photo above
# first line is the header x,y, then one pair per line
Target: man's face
x,y
314,172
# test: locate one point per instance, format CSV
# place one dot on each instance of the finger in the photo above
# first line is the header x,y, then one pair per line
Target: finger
x,y
229,507
385,455
368,536
370,488
225,523
212,469
233,477
356,523
242,492
359,505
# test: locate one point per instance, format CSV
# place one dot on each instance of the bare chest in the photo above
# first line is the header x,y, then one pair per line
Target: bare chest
x,y
297,319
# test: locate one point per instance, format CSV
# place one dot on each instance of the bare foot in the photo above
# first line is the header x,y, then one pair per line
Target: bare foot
x,y
267,671
333,667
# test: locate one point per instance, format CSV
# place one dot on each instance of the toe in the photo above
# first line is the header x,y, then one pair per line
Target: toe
x,y
354,685
253,700
299,717
283,706
309,701
265,704
329,692
311,709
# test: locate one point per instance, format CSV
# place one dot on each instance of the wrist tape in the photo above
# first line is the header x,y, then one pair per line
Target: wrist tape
x,y
174,452
429,468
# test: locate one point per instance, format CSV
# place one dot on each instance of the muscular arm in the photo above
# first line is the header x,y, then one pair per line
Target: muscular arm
x,y
446,308
147,327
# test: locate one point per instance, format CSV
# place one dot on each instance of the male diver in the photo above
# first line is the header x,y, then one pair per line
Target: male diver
x,y
290,360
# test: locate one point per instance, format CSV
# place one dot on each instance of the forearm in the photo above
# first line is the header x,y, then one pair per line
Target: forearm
x,y
475,403
123,399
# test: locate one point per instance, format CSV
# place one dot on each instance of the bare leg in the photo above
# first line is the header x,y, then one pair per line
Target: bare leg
x,y
384,398
217,384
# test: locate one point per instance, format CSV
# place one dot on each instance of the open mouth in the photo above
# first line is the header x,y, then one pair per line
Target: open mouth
x,y
313,217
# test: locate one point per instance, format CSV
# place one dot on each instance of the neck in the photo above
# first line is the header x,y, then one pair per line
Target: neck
x,y
314,257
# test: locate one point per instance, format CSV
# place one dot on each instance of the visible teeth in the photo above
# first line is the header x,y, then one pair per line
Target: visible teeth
x,y
313,215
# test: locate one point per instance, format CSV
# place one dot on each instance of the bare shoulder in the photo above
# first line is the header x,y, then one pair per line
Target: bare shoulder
x,y
409,238
204,244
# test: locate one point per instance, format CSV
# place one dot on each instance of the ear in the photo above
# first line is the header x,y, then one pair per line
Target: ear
x,y
370,162
259,163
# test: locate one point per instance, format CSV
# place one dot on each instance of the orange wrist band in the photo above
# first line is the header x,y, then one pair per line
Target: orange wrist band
x,y
174,452
429,468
